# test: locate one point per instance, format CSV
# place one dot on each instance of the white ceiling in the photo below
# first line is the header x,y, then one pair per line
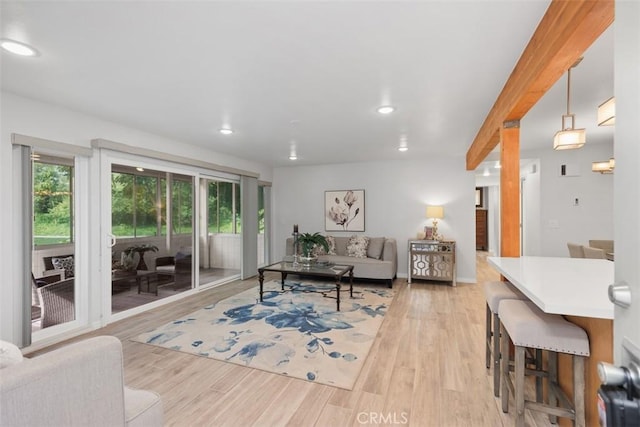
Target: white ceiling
x,y
296,73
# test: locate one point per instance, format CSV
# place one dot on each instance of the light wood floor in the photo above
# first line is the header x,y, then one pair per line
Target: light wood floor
x,y
426,368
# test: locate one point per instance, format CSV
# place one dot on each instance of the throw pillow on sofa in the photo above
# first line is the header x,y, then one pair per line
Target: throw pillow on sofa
x,y
357,246
318,250
331,241
65,264
376,245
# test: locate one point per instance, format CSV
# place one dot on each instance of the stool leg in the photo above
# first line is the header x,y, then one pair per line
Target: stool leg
x,y
497,356
504,366
519,394
552,377
578,390
488,337
538,379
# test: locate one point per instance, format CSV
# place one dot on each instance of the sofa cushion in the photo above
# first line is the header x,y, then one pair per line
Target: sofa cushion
x,y
65,264
10,354
357,246
376,245
368,268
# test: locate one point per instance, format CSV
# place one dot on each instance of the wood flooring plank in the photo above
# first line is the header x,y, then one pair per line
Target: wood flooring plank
x,y
313,404
332,416
368,404
281,411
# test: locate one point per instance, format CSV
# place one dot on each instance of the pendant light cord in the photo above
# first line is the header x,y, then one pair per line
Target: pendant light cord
x,y
568,91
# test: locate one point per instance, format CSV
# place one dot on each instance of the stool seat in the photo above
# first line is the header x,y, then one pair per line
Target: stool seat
x,y
495,292
528,326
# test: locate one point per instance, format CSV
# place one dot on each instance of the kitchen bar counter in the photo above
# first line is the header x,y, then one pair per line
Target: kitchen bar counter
x,y
569,286
577,289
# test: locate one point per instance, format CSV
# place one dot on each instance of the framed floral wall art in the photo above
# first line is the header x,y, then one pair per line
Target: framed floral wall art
x,y
344,210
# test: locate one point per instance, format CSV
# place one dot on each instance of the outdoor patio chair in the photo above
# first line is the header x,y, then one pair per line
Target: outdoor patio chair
x,y
57,302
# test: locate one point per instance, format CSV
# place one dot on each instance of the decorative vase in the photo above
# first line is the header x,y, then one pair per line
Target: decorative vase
x,y
308,261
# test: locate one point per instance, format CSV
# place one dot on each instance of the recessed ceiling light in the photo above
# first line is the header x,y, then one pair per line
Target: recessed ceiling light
x,y
18,48
403,149
386,109
226,131
293,157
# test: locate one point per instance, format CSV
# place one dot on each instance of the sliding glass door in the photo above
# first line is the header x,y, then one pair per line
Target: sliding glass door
x,y
53,296
220,230
152,221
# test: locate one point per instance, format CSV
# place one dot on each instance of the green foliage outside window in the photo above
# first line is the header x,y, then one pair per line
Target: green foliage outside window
x,y
138,205
182,207
260,209
224,207
52,204
135,205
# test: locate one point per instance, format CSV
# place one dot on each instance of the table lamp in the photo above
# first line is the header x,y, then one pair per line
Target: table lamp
x,y
436,213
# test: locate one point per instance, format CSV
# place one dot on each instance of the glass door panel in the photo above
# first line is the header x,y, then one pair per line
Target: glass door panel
x,y
263,245
148,261
220,241
53,296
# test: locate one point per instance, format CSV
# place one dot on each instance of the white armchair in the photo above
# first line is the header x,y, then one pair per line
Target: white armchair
x,y
81,384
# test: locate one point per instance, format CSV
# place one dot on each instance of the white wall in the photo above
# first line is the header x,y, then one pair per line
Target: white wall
x,y
34,118
396,196
37,119
531,236
561,221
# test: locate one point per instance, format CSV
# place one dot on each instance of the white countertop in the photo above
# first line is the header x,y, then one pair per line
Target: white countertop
x,y
569,286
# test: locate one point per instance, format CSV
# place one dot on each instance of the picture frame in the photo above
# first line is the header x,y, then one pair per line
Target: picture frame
x,y
479,197
344,210
428,233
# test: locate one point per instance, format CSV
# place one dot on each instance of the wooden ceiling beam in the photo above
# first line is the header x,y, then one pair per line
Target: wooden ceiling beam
x,y
566,30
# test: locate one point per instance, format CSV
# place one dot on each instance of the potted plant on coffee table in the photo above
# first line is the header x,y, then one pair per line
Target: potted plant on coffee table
x,y
307,242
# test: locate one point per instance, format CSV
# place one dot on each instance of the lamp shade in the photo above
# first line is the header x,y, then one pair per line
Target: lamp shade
x,y
568,139
435,212
607,112
604,167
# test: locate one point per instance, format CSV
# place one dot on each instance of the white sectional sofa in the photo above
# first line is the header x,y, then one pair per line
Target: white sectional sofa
x,y
81,384
381,262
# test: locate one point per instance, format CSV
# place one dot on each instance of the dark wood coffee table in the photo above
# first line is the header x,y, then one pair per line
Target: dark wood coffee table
x,y
337,272
122,280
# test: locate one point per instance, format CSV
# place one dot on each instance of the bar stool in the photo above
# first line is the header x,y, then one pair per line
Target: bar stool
x,y
529,327
494,293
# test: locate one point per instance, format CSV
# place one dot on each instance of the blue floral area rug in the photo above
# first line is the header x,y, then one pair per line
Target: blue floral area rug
x,y
293,333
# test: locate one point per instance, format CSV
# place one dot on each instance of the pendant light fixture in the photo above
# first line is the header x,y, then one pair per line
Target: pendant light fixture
x,y
569,137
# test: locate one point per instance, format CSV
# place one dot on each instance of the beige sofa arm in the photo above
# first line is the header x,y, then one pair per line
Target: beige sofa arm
x,y
390,253
79,384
